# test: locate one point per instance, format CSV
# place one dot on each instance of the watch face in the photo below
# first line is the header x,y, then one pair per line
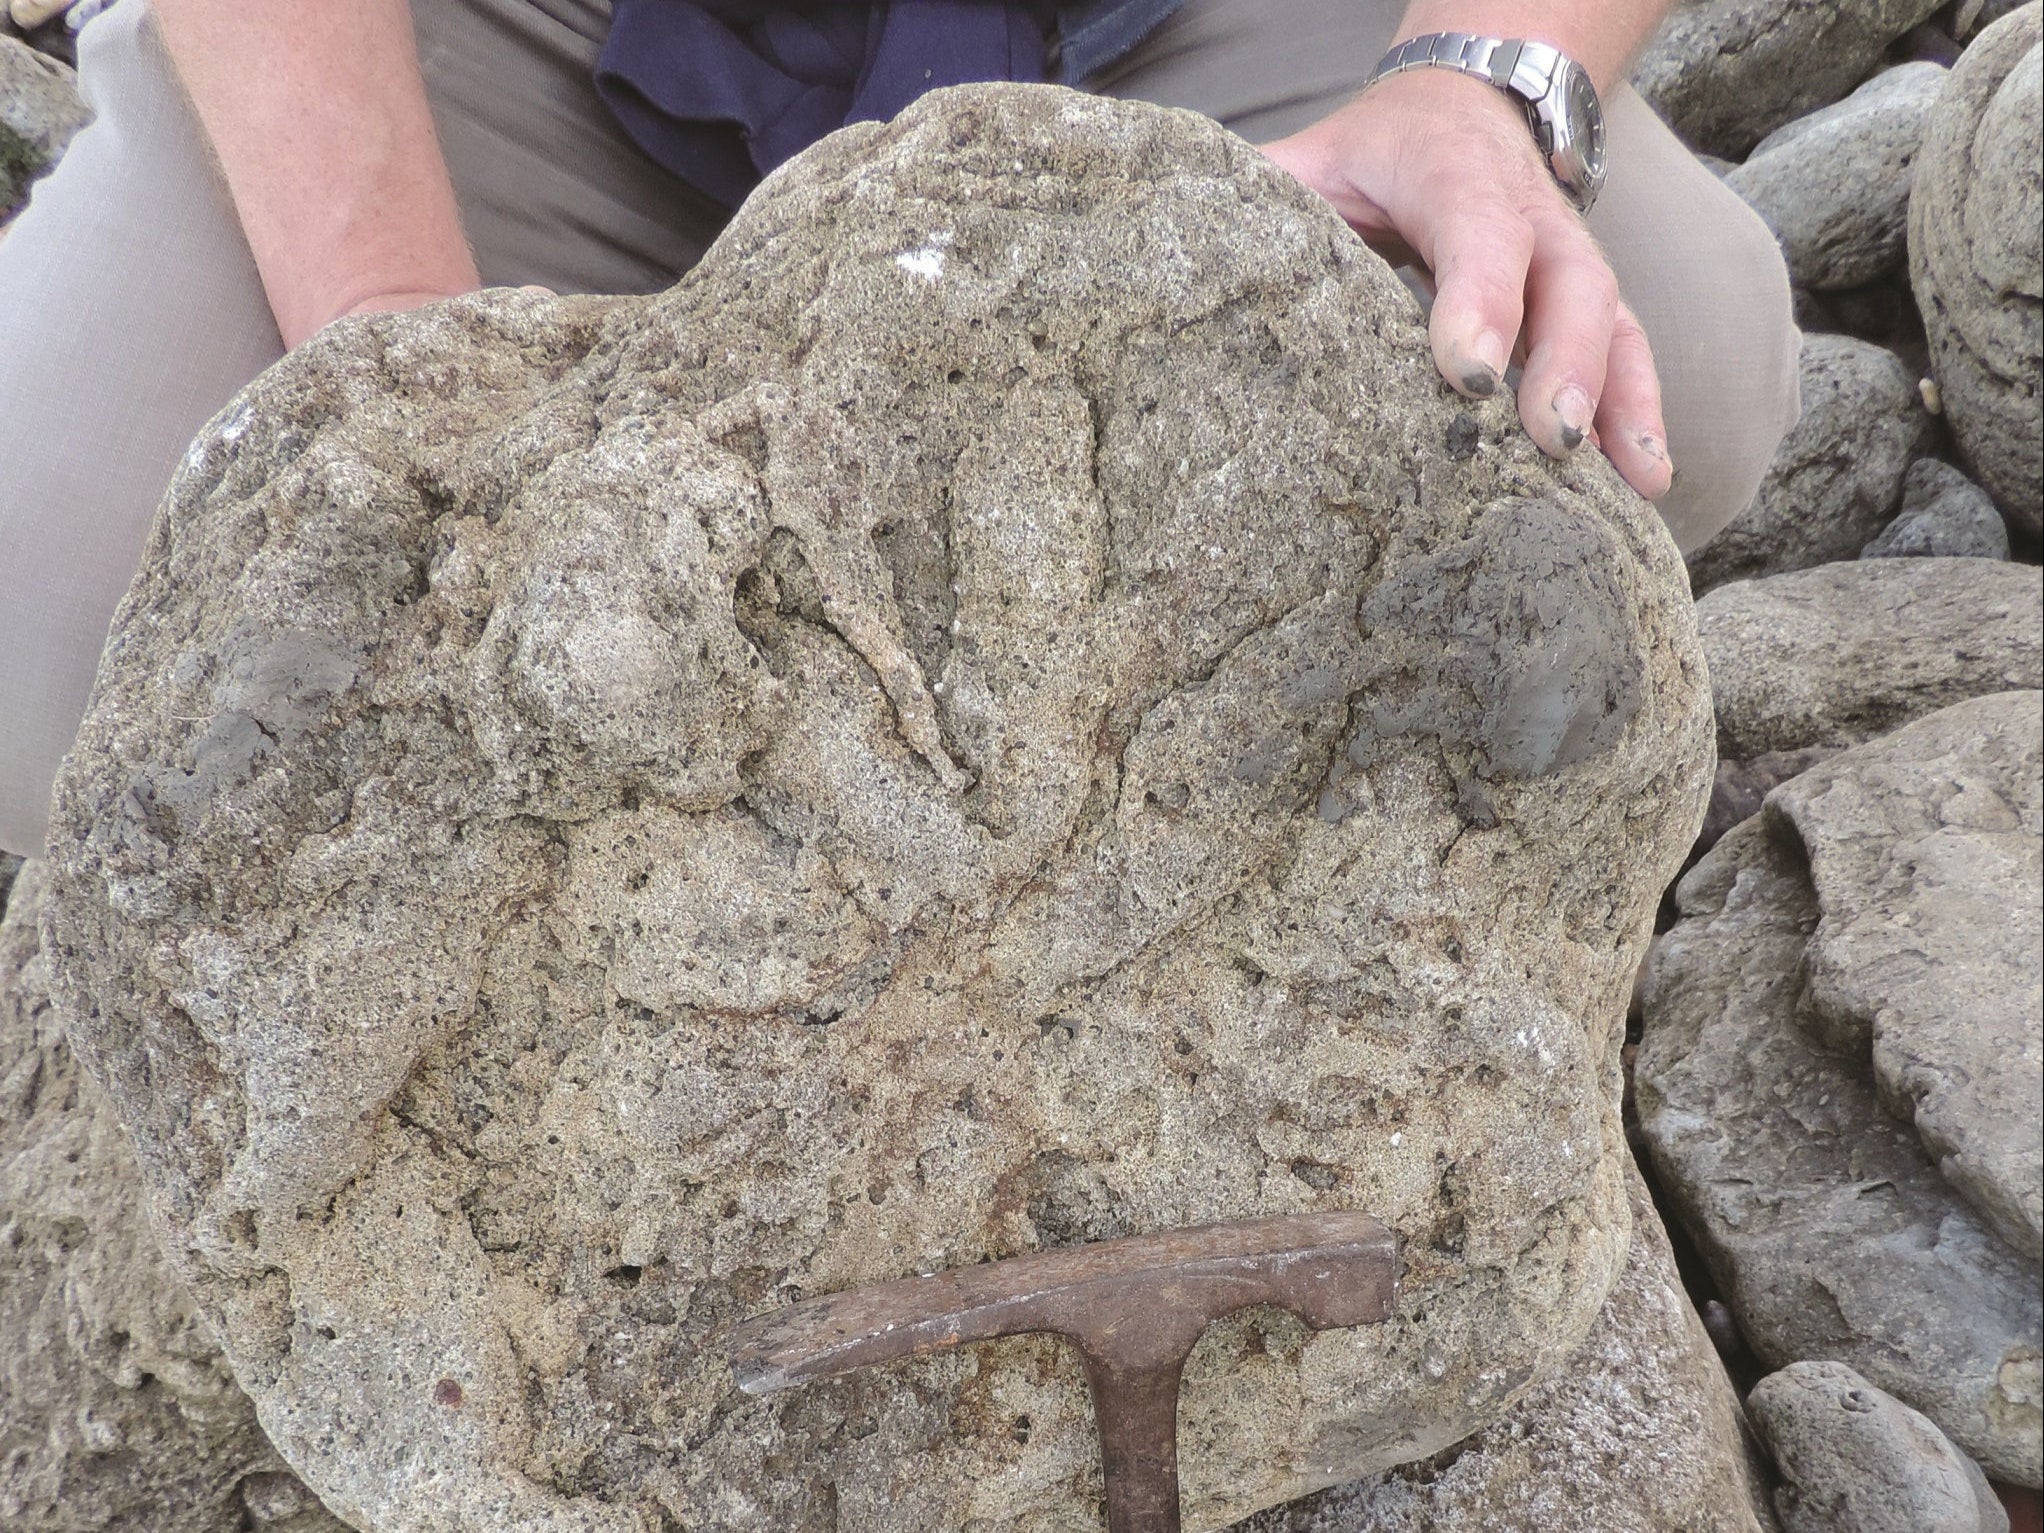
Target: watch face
x,y
1579,137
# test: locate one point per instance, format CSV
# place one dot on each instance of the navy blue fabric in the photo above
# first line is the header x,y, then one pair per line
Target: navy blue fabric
x,y
721,92
1105,32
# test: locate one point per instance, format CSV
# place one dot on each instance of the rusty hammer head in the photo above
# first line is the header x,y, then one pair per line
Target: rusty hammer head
x,y
1134,1308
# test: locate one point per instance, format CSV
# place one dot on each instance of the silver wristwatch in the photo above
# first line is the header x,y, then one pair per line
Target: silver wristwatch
x,y
1561,104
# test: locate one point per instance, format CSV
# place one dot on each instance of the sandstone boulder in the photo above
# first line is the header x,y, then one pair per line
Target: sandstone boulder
x,y
1834,186
40,111
117,1412
1854,1459
1926,853
1010,707
1639,1434
1726,73
1976,259
1843,653
1836,479
1823,1220
1944,515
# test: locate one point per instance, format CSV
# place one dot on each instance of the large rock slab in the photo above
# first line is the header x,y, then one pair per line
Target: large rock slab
x,y
1843,653
1726,73
1823,1220
1927,856
1837,477
1639,1434
40,112
117,1411
1834,186
1976,259
1854,1459
1002,711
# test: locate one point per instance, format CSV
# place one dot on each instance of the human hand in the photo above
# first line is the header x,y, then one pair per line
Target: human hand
x,y
1442,167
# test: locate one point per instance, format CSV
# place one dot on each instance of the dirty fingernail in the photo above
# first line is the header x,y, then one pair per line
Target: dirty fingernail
x,y
1480,381
1573,407
1653,446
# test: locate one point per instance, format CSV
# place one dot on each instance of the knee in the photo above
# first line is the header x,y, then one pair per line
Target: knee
x,y
1742,398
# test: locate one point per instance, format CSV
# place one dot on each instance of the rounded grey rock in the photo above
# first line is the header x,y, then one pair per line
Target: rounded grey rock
x,y
1976,260
1834,186
1854,1459
1944,515
40,112
1836,479
1726,73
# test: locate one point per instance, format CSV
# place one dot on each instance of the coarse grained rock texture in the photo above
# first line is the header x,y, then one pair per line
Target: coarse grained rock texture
x,y
1836,479
1854,1459
1843,653
1834,186
40,111
1926,853
1823,1220
988,717
1944,514
1976,259
1641,1433
117,1411
1726,73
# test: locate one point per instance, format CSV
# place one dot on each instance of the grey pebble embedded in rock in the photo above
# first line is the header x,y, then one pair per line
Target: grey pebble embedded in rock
x,y
1840,654
1836,479
40,111
1976,259
1854,1459
1944,515
1834,186
1726,73
1926,852
987,717
1824,1221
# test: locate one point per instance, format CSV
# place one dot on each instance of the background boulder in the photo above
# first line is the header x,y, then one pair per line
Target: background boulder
x,y
1836,479
1976,259
1834,186
1811,1186
1726,73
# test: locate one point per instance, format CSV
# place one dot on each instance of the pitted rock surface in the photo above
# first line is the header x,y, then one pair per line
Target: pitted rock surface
x,y
988,717
1823,1219
1927,856
117,1411
1976,259
1641,1433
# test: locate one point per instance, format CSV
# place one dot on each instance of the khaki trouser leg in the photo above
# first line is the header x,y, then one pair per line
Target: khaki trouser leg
x,y
1697,265
131,311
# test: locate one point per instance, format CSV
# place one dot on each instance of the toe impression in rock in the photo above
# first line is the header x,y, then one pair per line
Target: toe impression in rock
x,y
1134,1307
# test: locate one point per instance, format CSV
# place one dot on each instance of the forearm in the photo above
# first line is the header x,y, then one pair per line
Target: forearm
x,y
319,117
1604,36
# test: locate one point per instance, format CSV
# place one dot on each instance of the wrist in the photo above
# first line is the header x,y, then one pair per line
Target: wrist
x,y
309,302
